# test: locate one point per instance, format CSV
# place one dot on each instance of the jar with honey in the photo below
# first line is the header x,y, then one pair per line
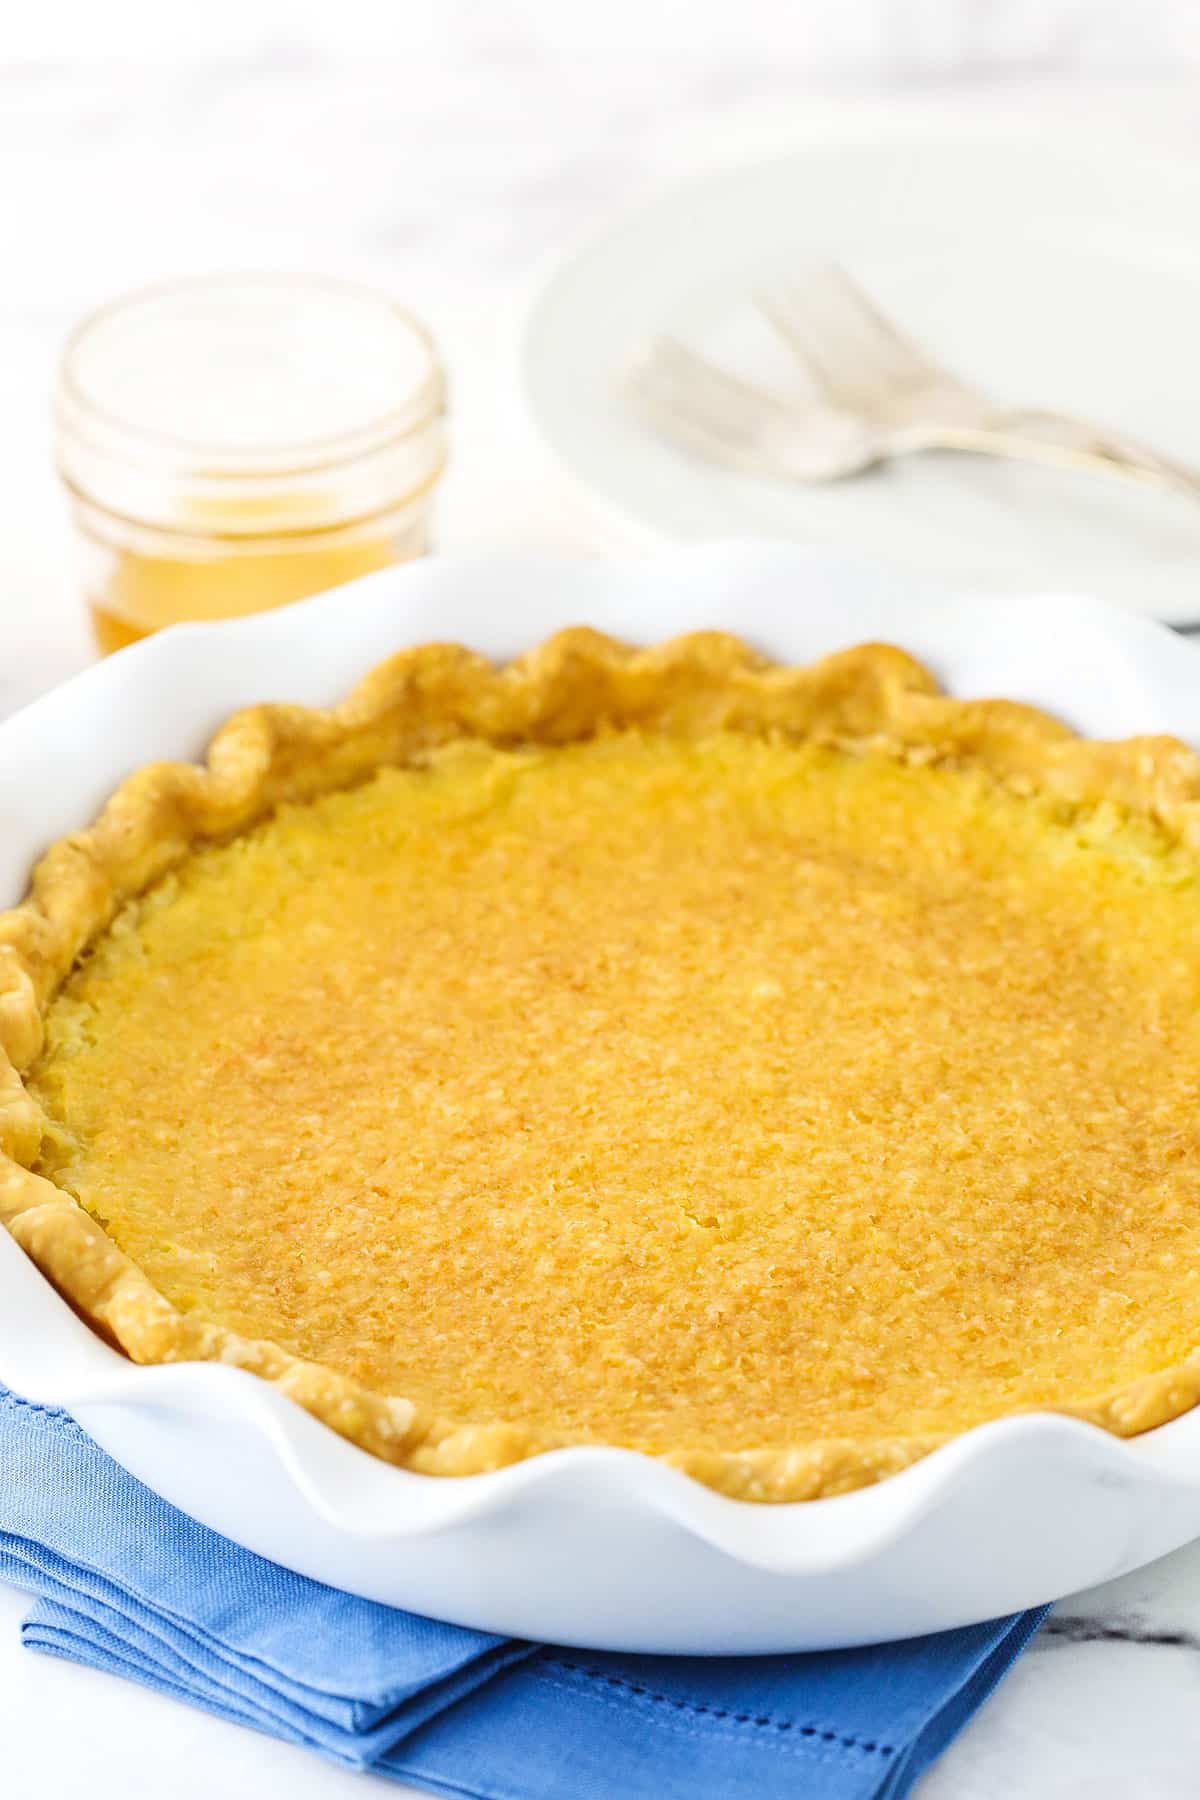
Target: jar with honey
x,y
230,444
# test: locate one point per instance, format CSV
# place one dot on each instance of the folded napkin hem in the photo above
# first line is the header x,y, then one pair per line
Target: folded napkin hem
x,y
125,1583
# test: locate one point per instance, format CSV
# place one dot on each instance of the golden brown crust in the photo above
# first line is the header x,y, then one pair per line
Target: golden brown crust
x,y
874,696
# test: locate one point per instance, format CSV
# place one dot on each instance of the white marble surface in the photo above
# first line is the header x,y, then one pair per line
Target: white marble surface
x,y
239,137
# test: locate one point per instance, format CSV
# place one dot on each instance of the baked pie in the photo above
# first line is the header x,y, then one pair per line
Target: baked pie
x,y
777,1071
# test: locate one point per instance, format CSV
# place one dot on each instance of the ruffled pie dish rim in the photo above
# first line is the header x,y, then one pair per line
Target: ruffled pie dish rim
x,y
873,696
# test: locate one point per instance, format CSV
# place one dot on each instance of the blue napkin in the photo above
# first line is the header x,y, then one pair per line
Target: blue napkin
x,y
126,1583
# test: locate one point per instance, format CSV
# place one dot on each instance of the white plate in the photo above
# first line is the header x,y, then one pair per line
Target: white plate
x,y
1055,269
603,1548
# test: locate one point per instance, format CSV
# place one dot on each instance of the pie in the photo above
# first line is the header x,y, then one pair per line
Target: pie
x,y
776,1071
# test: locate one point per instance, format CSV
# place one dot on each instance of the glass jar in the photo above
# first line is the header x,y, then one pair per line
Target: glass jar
x,y
232,443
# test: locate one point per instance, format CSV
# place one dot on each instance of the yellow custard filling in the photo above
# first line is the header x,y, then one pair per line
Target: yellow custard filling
x,y
682,1095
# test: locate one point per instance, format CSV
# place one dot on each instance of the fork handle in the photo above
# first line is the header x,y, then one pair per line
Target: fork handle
x,y
1050,437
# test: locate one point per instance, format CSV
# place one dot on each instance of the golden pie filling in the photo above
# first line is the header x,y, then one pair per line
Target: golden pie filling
x,y
705,1097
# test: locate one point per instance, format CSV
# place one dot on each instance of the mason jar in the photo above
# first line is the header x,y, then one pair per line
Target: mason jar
x,y
233,443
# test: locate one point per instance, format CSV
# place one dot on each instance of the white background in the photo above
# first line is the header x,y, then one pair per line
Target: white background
x,y
444,149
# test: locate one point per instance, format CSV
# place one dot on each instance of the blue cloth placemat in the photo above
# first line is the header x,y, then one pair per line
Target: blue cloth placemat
x,y
126,1583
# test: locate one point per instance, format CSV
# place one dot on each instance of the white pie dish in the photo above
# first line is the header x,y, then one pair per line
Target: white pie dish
x,y
601,1548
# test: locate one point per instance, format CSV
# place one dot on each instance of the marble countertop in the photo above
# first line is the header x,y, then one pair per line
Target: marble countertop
x,y
447,175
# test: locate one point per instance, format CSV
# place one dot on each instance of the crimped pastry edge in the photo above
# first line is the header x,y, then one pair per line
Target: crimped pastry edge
x,y
871,697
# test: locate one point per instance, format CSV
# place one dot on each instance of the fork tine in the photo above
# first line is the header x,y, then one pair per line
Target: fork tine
x,y
688,368
671,389
731,421
675,412
834,341
724,402
875,325
798,315
679,415
695,436
843,339
664,399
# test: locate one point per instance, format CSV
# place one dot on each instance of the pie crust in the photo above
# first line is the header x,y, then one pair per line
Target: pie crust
x,y
871,701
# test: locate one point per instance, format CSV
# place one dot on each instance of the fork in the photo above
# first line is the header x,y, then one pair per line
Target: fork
x,y
876,395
